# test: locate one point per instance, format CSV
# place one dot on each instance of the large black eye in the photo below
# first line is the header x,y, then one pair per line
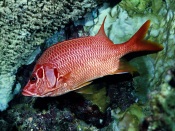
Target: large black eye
x,y
33,78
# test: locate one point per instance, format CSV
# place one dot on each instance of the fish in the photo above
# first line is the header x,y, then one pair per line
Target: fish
x,y
72,64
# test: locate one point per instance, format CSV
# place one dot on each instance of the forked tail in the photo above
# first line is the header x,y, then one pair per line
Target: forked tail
x,y
137,43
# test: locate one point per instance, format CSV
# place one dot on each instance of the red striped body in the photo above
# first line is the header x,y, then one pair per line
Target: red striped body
x,y
85,58
72,64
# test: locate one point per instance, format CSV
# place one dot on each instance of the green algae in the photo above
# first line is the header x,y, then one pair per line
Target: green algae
x,y
99,98
162,106
130,119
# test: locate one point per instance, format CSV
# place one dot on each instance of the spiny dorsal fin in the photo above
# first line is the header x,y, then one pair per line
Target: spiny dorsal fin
x,y
101,31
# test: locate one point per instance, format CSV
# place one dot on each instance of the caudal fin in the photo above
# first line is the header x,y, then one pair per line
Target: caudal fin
x,y
137,43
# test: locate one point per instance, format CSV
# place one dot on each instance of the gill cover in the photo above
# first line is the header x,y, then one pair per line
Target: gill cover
x,y
42,81
51,75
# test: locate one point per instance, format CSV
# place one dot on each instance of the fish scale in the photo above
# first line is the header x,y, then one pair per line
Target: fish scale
x,y
73,64
75,54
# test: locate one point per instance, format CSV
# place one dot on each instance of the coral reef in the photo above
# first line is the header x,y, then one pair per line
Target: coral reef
x,y
120,106
52,119
25,24
71,111
133,115
162,106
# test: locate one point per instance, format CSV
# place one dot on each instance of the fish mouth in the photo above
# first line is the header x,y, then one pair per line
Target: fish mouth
x,y
45,94
27,93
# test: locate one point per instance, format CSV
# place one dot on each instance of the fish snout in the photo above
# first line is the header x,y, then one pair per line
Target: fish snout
x,y
29,90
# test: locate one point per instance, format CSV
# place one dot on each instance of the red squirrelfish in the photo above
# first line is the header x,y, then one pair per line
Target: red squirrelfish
x,y
72,64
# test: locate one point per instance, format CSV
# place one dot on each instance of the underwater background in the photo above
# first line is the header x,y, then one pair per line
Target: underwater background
x,y
121,103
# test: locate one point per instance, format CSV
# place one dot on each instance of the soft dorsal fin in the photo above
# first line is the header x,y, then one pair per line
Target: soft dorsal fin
x,y
101,31
140,34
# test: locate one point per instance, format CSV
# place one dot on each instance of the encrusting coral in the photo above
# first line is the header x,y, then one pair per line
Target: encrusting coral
x,y
162,105
25,25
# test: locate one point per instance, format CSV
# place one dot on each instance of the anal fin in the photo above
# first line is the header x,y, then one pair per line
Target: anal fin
x,y
88,90
125,67
81,88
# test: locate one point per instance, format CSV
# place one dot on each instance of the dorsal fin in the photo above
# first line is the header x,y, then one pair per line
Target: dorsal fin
x,y
141,33
101,31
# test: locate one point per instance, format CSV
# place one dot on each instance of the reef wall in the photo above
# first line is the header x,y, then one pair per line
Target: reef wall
x,y
123,20
25,24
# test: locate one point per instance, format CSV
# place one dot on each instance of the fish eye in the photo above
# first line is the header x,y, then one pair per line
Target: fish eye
x,y
33,79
